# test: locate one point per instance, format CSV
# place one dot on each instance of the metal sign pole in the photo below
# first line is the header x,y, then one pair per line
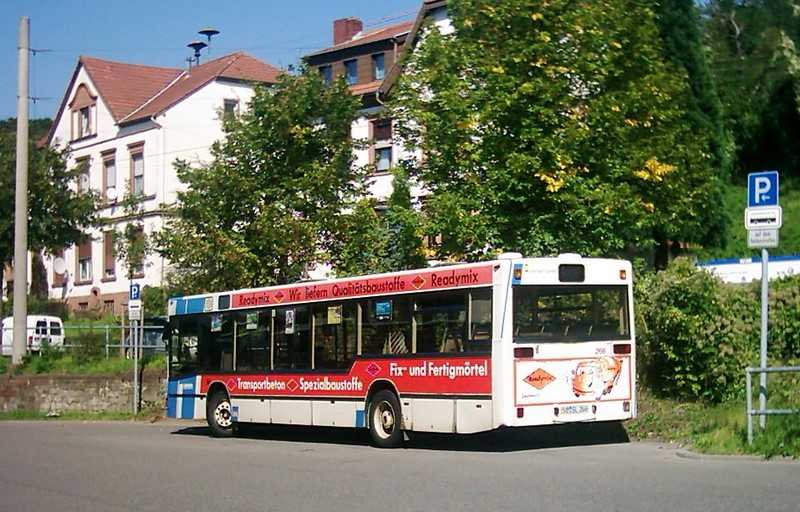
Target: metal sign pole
x,y
136,369
762,393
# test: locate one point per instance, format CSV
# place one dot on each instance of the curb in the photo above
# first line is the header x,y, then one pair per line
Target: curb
x,y
690,455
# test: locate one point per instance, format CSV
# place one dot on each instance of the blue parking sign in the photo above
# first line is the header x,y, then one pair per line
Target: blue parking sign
x,y
762,189
135,292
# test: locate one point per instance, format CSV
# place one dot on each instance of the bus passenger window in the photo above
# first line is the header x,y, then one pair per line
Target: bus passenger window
x,y
253,340
441,320
292,338
480,327
335,336
386,327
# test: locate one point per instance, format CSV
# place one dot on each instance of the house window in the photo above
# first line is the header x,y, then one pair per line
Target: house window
x,y
351,71
383,159
109,262
83,174
86,121
231,109
108,306
85,262
378,70
326,73
137,170
382,129
109,177
83,111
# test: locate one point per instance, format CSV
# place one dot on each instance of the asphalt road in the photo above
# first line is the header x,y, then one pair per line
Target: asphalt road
x,y
116,466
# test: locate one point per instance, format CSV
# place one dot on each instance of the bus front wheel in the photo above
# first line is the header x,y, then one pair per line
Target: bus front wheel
x,y
385,420
218,415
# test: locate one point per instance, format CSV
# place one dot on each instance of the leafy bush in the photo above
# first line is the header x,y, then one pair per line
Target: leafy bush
x,y
695,334
784,318
89,345
3,365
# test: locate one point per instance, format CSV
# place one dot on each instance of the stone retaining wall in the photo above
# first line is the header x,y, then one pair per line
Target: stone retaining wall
x,y
85,393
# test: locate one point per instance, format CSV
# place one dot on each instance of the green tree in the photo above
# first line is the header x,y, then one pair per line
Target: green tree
x,y
131,245
385,242
753,47
58,216
270,204
403,226
364,249
551,126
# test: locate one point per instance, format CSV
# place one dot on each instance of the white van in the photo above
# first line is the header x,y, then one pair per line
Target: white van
x,y
40,328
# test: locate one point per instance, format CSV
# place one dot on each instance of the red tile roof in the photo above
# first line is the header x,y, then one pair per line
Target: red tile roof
x,y
237,66
125,87
380,34
366,88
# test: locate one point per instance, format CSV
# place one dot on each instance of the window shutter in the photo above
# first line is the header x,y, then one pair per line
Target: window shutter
x,y
108,254
85,250
382,129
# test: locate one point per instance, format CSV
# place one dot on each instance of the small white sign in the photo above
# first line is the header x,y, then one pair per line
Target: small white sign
x,y
763,217
762,238
134,311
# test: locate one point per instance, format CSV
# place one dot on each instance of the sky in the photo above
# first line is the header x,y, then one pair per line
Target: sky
x,y
156,33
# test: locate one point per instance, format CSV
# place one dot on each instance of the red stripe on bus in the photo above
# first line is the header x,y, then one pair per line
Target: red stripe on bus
x,y
426,280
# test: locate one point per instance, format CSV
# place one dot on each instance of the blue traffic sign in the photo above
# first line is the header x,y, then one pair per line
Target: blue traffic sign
x,y
135,292
762,189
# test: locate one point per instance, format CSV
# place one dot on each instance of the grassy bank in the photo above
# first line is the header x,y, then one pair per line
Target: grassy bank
x,y
713,429
65,363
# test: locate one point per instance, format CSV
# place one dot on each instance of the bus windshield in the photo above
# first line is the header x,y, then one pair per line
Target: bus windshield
x,y
570,313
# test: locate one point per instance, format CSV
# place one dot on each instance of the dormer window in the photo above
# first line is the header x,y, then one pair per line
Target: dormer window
x,y
84,113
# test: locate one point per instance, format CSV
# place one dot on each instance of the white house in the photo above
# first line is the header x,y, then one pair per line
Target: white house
x,y
127,124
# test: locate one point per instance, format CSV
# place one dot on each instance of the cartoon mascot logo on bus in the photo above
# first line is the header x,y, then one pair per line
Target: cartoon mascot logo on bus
x,y
597,376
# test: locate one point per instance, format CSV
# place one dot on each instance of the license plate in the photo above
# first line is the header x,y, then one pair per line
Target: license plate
x,y
573,410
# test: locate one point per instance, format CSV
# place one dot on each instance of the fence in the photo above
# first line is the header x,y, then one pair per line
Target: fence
x,y
116,338
766,411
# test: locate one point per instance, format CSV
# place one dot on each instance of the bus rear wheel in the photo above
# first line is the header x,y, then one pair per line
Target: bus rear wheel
x,y
385,420
219,416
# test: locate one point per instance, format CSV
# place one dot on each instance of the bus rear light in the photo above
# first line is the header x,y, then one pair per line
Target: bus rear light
x,y
622,348
521,352
623,274
520,412
626,406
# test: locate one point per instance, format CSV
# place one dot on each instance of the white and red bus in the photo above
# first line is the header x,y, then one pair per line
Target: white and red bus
x,y
462,348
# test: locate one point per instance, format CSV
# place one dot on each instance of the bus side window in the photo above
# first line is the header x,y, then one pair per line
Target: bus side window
x,y
335,336
441,320
386,327
292,338
480,323
253,340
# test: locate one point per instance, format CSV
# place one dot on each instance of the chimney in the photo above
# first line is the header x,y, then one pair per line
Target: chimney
x,y
344,29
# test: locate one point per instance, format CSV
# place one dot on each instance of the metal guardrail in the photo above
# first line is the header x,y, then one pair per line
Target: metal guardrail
x,y
766,411
116,337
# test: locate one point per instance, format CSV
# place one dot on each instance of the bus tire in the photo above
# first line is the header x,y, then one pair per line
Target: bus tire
x,y
218,415
385,420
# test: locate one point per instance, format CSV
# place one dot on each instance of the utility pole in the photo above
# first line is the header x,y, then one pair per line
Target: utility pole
x,y
21,200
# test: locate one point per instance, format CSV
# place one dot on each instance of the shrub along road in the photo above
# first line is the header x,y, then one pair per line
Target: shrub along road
x,y
110,466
